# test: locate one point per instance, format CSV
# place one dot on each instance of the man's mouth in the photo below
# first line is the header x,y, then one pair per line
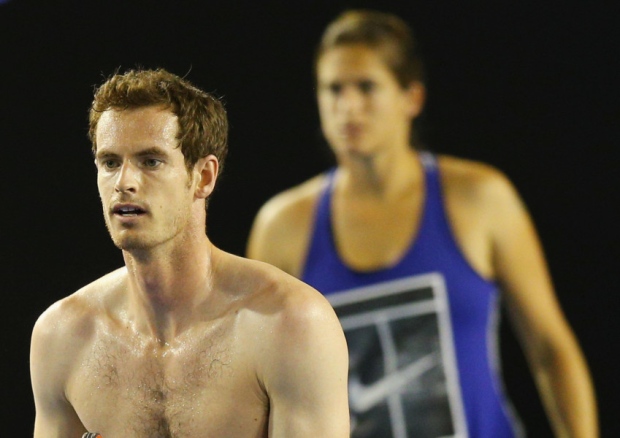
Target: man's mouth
x,y
128,211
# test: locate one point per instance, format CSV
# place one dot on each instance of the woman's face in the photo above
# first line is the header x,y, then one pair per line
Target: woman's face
x,y
363,108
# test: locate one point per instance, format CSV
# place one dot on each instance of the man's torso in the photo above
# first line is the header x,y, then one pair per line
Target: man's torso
x,y
203,383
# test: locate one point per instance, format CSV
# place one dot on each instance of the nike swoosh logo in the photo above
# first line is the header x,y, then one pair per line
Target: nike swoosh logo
x,y
364,397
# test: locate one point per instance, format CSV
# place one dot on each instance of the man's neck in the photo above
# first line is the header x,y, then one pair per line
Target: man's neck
x,y
167,286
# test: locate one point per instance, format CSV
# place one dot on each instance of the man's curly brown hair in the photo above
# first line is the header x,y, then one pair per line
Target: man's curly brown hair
x,y
203,125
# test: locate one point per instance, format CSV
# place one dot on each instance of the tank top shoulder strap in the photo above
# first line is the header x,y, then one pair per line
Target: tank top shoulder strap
x,y
435,226
323,210
434,198
321,245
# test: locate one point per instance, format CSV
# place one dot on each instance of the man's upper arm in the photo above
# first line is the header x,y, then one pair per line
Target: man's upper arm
x,y
306,376
49,367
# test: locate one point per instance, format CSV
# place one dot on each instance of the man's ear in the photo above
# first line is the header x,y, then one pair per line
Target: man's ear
x,y
416,97
205,173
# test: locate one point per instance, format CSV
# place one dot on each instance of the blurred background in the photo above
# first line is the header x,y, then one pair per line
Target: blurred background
x,y
530,87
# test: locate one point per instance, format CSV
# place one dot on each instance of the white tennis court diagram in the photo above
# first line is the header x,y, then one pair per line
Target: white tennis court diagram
x,y
403,380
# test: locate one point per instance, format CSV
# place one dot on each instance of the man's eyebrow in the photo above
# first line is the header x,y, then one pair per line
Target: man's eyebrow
x,y
152,151
105,155
100,155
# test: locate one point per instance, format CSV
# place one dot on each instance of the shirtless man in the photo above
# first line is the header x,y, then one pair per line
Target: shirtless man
x,y
185,340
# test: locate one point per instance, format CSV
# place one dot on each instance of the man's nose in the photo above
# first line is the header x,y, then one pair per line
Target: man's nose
x,y
127,178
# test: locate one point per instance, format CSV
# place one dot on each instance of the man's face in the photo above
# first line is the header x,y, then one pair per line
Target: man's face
x,y
143,183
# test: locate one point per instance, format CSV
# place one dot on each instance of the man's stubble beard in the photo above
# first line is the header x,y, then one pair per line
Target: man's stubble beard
x,y
145,240
131,243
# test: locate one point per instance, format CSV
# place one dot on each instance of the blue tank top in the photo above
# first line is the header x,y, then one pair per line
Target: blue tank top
x,y
422,334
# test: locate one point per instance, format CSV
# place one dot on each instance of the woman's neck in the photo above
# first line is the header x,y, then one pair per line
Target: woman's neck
x,y
382,176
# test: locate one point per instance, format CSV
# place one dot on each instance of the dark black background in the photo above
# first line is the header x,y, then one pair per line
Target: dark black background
x,y
530,87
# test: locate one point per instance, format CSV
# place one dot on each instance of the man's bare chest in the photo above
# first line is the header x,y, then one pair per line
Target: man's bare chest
x,y
130,388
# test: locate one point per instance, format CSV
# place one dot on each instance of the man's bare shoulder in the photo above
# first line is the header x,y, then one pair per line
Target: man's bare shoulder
x,y
283,314
273,298
294,339
63,332
71,319
282,226
263,284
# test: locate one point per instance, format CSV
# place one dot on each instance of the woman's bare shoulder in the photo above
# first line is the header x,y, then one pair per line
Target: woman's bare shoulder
x,y
293,202
474,181
467,169
281,229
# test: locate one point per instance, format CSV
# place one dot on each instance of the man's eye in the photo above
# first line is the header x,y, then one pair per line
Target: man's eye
x,y
152,162
109,164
